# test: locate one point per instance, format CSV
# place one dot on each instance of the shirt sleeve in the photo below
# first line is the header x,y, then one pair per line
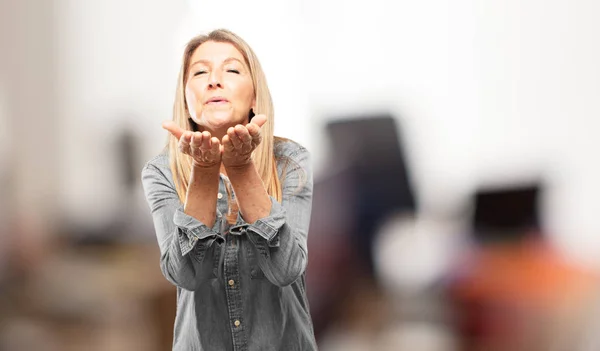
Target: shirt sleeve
x,y
183,240
280,239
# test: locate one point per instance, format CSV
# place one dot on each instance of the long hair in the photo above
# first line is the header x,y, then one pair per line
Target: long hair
x,y
263,156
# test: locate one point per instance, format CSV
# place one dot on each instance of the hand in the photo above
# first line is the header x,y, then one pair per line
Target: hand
x,y
204,149
240,141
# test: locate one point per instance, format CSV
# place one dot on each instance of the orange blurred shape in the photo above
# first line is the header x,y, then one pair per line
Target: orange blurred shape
x,y
531,272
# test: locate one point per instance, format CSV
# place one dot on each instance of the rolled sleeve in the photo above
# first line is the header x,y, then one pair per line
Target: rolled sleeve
x,y
265,228
193,231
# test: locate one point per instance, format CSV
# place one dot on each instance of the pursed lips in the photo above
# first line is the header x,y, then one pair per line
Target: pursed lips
x,y
217,100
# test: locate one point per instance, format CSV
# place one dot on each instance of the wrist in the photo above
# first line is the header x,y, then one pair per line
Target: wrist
x,y
197,167
239,169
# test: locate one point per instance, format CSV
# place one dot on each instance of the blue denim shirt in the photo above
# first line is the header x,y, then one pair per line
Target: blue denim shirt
x,y
239,287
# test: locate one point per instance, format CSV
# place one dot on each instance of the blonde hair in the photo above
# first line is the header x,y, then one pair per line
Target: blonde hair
x,y
263,156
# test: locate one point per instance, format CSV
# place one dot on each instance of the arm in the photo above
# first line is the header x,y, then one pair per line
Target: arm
x,y
251,195
183,240
280,237
201,197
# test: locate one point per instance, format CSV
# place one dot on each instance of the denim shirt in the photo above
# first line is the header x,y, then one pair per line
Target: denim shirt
x,y
239,287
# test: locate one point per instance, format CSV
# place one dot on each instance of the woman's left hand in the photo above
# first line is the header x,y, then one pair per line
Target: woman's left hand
x,y
240,141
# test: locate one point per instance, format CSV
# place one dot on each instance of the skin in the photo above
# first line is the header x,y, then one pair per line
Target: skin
x,y
219,96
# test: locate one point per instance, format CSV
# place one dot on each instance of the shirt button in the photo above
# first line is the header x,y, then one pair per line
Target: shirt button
x,y
236,323
231,282
219,196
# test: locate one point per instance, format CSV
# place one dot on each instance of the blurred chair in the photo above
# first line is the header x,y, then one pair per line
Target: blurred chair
x,y
366,181
371,151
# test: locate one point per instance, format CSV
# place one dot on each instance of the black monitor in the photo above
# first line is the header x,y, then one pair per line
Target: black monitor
x,y
507,213
372,148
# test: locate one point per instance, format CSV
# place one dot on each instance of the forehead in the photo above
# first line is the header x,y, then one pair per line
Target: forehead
x,y
213,51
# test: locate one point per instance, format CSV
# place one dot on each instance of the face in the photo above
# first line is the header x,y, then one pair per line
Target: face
x,y
219,91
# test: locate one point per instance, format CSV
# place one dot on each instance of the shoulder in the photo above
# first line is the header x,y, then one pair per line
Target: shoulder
x,y
290,149
158,164
292,158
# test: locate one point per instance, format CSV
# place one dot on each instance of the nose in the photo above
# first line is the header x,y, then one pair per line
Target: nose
x,y
214,81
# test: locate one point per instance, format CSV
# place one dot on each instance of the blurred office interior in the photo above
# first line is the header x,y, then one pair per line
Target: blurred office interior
x,y
454,146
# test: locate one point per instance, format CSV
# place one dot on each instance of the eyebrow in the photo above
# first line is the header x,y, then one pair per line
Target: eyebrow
x,y
206,62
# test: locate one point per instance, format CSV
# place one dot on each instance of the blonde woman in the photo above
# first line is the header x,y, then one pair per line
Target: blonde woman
x,y
231,207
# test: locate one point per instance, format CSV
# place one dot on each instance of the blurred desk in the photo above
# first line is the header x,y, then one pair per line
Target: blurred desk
x,y
95,298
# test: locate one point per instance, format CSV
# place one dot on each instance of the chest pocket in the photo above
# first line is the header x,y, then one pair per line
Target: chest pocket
x,y
251,255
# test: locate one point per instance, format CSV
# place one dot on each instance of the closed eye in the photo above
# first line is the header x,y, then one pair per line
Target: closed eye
x,y
199,73
233,71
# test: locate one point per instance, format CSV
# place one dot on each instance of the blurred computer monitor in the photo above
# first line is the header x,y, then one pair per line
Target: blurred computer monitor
x,y
506,214
372,148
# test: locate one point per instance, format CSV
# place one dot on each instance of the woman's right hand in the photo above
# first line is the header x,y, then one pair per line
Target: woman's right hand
x,y
204,149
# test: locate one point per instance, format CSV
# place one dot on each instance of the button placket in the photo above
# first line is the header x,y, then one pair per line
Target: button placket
x,y
233,293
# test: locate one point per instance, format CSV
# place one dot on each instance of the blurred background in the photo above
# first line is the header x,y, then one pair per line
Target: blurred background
x,y
455,153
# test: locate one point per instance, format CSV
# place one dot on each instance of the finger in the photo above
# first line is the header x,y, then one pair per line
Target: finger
x,y
187,136
184,142
235,140
215,146
259,120
253,130
173,129
206,140
227,145
196,140
256,139
256,134
242,133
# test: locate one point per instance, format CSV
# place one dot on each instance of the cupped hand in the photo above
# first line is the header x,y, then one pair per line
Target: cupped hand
x,y
204,149
240,141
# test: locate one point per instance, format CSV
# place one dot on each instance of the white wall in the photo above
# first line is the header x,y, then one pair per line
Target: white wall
x,y
116,70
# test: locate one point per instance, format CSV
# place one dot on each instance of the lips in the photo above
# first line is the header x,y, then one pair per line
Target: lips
x,y
217,100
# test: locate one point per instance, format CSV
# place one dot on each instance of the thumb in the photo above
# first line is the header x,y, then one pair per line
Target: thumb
x,y
259,120
173,129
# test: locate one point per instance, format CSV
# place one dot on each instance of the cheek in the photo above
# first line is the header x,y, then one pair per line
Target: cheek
x,y
190,94
248,93
191,98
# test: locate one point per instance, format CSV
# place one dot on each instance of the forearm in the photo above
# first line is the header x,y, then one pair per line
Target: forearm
x,y
281,238
184,242
201,197
253,200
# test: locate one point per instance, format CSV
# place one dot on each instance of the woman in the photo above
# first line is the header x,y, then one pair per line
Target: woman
x,y
231,207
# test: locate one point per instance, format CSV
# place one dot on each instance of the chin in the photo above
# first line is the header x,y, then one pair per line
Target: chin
x,y
218,119
221,119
